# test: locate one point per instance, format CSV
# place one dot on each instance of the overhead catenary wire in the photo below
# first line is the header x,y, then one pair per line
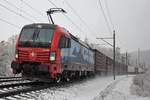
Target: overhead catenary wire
x,y
107,23
110,19
75,12
7,22
105,18
68,18
109,15
52,3
30,15
34,9
16,13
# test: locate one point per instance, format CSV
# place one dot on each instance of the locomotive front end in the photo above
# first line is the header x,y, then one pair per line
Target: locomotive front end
x,y
36,53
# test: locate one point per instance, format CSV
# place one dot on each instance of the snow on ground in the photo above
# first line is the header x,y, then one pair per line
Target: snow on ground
x,y
80,91
120,91
141,83
99,88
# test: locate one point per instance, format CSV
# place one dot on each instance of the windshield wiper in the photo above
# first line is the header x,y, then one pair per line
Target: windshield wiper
x,y
34,37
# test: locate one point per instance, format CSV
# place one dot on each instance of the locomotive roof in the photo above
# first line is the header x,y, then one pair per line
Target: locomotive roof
x,y
40,25
81,42
47,25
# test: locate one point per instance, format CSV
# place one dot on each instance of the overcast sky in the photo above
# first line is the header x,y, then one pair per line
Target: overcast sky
x,y
131,19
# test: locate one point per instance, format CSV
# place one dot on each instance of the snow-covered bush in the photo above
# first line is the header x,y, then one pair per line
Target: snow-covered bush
x,y
141,84
7,50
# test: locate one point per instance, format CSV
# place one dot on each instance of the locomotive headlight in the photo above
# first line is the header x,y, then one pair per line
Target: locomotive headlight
x,y
52,56
16,54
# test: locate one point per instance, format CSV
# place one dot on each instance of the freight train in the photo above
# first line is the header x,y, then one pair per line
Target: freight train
x,y
50,52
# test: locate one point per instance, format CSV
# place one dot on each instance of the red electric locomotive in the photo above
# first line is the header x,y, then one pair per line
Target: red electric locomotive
x,y
37,52
48,51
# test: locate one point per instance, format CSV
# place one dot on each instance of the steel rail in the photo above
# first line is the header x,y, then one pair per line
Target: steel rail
x,y
28,89
18,84
9,77
10,80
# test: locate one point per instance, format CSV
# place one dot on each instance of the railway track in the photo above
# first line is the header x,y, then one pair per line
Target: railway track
x,y
11,80
14,89
22,88
8,79
12,85
9,88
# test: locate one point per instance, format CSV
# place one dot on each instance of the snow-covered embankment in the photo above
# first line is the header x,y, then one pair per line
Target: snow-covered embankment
x,y
100,88
141,84
87,90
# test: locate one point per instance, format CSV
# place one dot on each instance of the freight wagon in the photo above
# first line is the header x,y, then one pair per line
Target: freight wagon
x,y
104,65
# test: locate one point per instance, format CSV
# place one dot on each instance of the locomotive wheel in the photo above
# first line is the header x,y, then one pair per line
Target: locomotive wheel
x,y
16,71
67,79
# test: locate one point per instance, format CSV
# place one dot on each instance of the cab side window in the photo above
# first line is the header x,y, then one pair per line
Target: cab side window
x,y
64,42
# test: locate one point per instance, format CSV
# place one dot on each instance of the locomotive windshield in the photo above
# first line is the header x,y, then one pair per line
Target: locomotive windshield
x,y
36,37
